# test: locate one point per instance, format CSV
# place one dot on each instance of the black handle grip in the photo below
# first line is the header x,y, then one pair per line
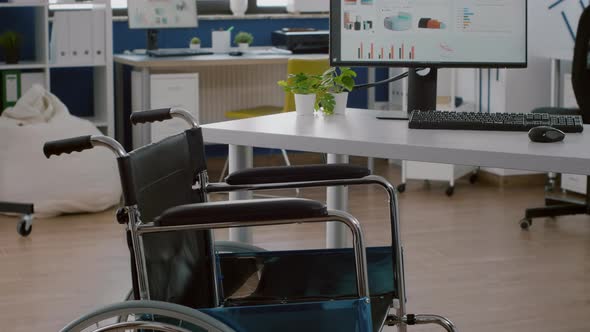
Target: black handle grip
x,y
151,116
67,145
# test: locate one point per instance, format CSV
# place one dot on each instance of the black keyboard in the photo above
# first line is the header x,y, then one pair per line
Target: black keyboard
x,y
166,52
494,121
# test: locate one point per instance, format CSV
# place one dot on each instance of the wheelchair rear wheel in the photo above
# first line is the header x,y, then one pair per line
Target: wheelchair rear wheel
x,y
147,315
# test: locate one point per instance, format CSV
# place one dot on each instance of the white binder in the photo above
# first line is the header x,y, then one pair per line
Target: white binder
x,y
98,37
81,36
60,38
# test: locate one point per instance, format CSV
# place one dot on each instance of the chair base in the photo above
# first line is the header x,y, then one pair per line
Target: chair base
x,y
555,207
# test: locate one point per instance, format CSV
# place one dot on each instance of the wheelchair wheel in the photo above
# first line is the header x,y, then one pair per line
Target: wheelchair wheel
x,y
147,315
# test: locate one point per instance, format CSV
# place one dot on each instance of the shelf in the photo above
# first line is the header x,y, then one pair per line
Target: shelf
x,y
80,65
23,65
21,4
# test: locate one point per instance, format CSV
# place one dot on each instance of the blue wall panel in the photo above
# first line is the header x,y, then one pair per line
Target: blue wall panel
x,y
18,19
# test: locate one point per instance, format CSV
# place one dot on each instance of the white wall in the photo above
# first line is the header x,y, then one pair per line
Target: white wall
x,y
548,33
520,90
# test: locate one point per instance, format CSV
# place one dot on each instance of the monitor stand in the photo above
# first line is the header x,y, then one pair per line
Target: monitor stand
x,y
152,39
421,94
422,89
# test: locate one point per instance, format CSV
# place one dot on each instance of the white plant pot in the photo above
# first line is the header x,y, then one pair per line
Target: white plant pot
x,y
304,104
238,7
194,46
243,47
341,100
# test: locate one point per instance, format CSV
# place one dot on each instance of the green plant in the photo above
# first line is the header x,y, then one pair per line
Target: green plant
x,y
195,40
10,41
301,83
333,80
243,38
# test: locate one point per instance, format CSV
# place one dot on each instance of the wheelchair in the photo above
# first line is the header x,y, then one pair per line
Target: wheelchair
x,y
183,281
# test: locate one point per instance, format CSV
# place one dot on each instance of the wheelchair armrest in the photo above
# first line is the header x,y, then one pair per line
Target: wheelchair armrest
x,y
250,210
286,174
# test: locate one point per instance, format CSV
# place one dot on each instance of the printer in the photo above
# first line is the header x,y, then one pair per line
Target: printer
x,y
301,41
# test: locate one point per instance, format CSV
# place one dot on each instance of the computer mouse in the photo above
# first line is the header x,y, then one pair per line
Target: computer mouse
x,y
236,53
546,134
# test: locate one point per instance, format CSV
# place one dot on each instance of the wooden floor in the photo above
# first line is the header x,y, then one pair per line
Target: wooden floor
x,y
466,258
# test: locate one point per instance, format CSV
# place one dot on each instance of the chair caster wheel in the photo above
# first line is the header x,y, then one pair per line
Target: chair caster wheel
x,y
526,223
22,228
450,191
401,188
473,178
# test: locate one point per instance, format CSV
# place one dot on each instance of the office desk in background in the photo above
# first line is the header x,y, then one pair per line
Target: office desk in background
x,y
359,133
225,82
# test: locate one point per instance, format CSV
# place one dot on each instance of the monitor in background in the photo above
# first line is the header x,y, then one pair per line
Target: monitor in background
x,y
161,14
428,34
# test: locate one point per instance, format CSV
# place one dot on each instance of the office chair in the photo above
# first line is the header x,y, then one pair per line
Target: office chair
x,y
174,258
294,66
581,83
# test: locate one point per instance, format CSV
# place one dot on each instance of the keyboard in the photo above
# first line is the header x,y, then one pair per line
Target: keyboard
x,y
493,121
166,52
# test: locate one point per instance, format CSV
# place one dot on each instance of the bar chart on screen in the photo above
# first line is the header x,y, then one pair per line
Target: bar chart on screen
x,y
391,52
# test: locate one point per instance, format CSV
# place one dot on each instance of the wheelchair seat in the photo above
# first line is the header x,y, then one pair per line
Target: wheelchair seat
x,y
308,275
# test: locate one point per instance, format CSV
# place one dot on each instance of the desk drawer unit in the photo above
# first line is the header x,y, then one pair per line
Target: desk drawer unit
x,y
166,90
573,182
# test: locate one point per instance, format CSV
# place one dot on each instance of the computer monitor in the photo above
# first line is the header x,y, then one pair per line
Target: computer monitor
x,y
428,34
161,14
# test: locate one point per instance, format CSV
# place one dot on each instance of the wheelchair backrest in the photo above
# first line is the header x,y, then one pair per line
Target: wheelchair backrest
x,y
159,176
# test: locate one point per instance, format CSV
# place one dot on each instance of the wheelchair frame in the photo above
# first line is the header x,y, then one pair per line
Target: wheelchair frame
x,y
137,228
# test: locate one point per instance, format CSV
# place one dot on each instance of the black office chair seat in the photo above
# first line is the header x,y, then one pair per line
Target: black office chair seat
x,y
308,275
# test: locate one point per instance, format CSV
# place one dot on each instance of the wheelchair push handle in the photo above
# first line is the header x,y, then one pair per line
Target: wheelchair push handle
x,y
161,114
164,114
68,145
81,143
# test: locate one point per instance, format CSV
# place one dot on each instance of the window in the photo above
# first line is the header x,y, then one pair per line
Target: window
x,y
204,7
55,4
271,3
119,4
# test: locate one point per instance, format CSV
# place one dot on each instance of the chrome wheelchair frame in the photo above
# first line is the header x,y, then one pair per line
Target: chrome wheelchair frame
x,y
130,215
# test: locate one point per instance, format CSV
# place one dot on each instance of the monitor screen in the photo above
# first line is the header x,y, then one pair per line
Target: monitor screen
x,y
433,33
161,14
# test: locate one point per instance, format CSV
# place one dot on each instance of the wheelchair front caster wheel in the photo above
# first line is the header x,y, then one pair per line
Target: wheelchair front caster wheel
x,y
473,178
401,188
450,191
22,228
526,223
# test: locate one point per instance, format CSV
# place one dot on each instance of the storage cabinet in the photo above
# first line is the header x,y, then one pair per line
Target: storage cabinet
x,y
166,90
43,65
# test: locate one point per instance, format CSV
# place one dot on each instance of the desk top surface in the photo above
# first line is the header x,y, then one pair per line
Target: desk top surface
x,y
359,133
255,56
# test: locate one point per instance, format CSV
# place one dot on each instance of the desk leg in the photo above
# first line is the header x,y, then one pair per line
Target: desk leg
x,y
119,104
240,157
337,233
555,94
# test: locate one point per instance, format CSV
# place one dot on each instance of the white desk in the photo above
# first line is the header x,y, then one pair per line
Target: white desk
x,y
225,82
359,133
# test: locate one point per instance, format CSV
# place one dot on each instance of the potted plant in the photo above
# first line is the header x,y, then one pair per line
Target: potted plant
x,y
195,43
332,94
304,87
243,40
10,42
